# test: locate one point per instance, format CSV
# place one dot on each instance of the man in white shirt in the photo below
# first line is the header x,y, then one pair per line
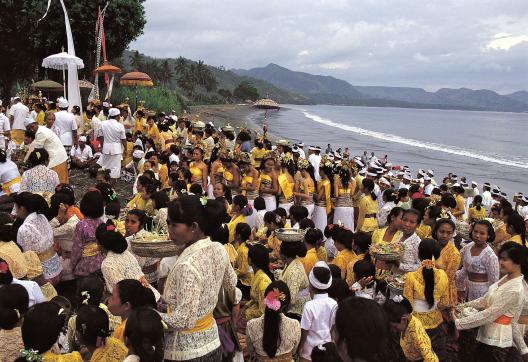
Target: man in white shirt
x,y
113,140
314,157
66,124
428,186
487,200
17,114
81,155
47,139
5,130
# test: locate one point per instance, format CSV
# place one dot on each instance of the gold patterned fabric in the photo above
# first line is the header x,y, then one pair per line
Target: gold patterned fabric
x,y
255,307
14,258
242,265
416,344
449,261
113,351
12,344
414,290
295,277
342,259
68,357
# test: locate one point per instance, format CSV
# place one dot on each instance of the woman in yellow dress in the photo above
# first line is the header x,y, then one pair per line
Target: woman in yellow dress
x,y
259,260
239,210
344,188
516,228
392,232
414,341
141,124
92,329
368,208
427,289
323,203
343,242
248,182
242,268
269,186
476,211
216,172
293,274
286,182
161,170
305,188
312,238
460,209
166,137
231,174
41,328
360,246
450,258
199,170
153,131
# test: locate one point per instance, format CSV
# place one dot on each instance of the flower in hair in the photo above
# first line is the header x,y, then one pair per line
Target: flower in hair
x,y
428,264
321,347
31,355
86,296
273,299
3,267
203,200
110,228
397,298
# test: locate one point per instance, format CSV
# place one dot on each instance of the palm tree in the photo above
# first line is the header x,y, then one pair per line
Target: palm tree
x,y
167,72
136,61
181,65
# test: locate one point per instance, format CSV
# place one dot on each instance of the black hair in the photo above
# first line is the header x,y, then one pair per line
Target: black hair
x,y
447,200
57,199
306,223
477,201
272,218
339,289
272,318
427,250
32,202
298,212
414,212
90,290
441,222
244,230
458,189
362,242
3,156
66,189
221,234
395,211
364,328
196,189
396,310
313,236
259,256
434,212
144,180
491,231
6,277
133,292
259,203
108,193
39,156
516,222
322,274
92,323
390,195
403,192
141,215
369,185
41,327
345,237
92,205
241,201
188,209
516,253
344,176
145,335
160,199
331,230
110,239
420,204
293,249
326,352
364,269
14,302
113,209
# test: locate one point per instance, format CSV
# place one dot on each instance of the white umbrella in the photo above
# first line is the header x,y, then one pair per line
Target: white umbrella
x,y
61,61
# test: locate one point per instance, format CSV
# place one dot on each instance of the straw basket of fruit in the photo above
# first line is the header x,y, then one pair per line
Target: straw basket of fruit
x,y
290,235
153,245
387,251
395,284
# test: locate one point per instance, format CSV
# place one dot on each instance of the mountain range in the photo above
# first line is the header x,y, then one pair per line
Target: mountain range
x,y
320,89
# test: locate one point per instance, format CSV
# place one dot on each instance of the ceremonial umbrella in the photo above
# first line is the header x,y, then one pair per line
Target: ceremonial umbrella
x,y
266,103
46,84
136,79
107,68
61,61
83,83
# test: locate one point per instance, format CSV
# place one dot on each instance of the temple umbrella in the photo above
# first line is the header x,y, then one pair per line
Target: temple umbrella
x,y
85,84
105,69
46,84
266,103
136,79
61,61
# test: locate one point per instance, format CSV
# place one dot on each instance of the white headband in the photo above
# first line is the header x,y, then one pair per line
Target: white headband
x,y
316,283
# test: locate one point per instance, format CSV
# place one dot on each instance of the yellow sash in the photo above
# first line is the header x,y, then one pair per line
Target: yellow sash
x,y
326,185
7,185
246,180
90,249
286,187
228,176
201,324
46,255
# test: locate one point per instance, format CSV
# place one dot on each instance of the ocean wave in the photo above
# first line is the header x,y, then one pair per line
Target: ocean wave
x,y
415,143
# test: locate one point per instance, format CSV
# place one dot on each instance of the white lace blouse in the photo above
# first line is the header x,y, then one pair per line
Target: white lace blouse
x,y
410,260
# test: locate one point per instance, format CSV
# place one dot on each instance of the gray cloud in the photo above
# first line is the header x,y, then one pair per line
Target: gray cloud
x,y
471,43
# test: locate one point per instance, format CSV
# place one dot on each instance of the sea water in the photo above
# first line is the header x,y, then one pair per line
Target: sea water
x,y
483,146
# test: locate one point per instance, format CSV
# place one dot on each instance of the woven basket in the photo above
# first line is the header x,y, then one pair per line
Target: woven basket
x,y
387,256
394,290
154,249
290,235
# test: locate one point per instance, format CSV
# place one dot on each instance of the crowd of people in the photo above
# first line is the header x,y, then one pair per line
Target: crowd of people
x,y
73,287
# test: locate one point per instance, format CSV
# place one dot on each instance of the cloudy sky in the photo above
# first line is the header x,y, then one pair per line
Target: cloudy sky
x,y
430,44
